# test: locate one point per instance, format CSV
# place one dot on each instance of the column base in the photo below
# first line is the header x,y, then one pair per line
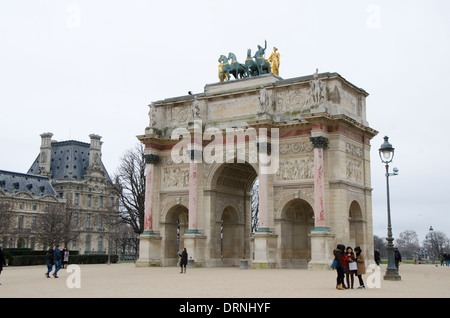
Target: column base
x,y
392,275
149,250
322,240
195,244
265,243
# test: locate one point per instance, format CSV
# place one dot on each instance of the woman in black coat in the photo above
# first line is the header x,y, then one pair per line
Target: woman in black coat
x,y
2,259
184,260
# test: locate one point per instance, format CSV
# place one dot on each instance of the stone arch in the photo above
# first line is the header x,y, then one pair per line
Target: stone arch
x,y
173,228
213,170
356,224
296,222
229,186
232,237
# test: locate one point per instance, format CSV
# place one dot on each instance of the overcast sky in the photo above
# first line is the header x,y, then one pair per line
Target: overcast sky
x,y
79,67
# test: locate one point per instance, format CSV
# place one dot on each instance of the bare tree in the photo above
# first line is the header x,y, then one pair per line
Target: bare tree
x,y
55,226
255,204
129,186
436,242
408,243
6,218
380,244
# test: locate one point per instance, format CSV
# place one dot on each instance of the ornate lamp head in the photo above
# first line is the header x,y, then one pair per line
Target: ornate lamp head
x,y
386,151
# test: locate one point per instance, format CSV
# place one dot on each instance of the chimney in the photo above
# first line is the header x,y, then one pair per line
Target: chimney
x,y
45,154
95,150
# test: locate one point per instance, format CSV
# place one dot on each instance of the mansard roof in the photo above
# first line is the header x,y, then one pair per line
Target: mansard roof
x,y
69,159
14,182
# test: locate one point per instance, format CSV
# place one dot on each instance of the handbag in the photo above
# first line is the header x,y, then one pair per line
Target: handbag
x,y
352,266
334,264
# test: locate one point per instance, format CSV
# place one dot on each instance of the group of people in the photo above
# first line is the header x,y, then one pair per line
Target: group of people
x,y
444,258
57,257
348,263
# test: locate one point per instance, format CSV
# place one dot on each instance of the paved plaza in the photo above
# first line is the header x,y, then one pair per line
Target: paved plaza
x,y
126,281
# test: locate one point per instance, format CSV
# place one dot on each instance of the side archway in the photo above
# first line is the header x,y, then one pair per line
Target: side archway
x,y
356,228
174,227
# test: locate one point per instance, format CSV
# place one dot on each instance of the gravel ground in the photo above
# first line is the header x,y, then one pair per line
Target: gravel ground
x,y
127,281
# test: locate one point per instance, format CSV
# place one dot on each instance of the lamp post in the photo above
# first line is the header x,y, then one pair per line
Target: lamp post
x,y
387,154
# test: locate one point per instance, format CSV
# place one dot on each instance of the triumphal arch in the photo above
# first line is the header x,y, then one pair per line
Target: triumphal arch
x,y
305,140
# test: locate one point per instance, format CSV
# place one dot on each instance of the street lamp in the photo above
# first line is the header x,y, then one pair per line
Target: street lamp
x,y
386,155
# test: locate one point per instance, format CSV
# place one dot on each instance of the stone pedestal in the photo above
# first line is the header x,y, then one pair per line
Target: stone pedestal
x,y
195,244
265,250
149,251
322,244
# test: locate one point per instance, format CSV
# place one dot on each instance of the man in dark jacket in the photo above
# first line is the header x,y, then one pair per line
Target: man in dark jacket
x,y
57,260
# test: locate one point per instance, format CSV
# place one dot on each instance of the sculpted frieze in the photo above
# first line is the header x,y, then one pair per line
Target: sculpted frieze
x,y
296,147
289,100
296,169
353,150
175,177
354,170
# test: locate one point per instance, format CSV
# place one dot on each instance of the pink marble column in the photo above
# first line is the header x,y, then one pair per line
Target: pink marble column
x,y
193,193
319,184
263,201
150,161
263,153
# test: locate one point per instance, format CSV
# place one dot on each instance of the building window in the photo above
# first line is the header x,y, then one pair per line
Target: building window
x,y
99,222
34,206
100,203
77,198
88,244
75,219
33,222
100,244
20,221
88,221
89,200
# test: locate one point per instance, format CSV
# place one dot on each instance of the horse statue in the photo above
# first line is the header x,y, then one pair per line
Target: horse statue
x,y
252,68
241,69
236,69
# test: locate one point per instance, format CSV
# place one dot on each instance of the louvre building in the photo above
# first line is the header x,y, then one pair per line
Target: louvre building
x,y
69,174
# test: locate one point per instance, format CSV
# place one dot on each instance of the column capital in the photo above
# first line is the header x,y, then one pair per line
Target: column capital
x,y
319,141
151,159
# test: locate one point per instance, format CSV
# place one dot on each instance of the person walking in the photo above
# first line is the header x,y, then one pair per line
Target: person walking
x,y
57,260
377,256
184,260
65,257
2,259
339,254
351,267
49,262
398,258
361,266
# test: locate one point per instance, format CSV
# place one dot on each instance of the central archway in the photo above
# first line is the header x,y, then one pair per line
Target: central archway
x,y
297,221
231,213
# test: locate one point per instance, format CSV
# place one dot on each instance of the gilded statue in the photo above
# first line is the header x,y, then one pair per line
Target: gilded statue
x,y
274,60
